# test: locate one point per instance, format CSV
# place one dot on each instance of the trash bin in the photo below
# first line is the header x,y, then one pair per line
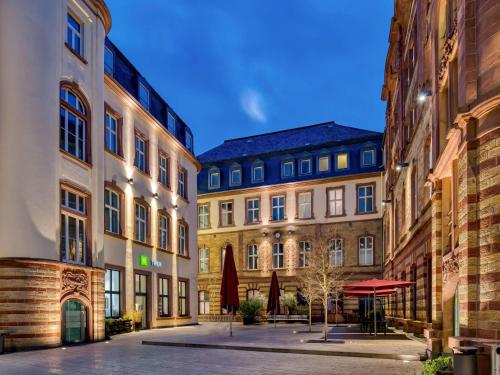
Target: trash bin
x,y
2,340
465,360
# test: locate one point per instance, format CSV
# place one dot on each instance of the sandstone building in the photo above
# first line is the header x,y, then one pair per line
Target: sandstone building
x,y
268,195
442,88
97,186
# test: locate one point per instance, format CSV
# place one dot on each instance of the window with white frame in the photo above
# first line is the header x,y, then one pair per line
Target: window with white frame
x,y
304,253
258,173
112,293
366,251
226,213
164,296
336,252
204,302
203,216
214,178
74,34
111,211
181,183
252,293
171,123
111,136
253,210
182,298
140,153
304,205
278,207
287,169
73,225
305,166
278,255
109,60
144,95
324,163
140,222
253,257
235,176
181,242
365,198
163,170
368,157
163,224
336,202
342,160
73,125
203,259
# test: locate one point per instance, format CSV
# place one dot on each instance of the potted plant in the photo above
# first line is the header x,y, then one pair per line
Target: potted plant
x,y
437,366
290,302
136,317
250,309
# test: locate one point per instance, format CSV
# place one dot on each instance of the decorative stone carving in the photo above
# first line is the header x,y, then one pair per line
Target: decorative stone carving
x,y
448,47
74,281
450,266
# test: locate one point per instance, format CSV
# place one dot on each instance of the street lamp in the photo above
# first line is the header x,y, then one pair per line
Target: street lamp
x,y
423,95
401,165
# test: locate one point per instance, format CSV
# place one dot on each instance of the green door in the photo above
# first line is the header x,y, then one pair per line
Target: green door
x,y
75,322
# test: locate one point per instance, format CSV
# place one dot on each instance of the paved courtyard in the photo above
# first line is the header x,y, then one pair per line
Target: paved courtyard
x,y
126,354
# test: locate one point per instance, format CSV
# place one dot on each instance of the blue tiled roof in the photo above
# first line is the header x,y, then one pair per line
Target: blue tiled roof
x,y
272,149
129,78
303,138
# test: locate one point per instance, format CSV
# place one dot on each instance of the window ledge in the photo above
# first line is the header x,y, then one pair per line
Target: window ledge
x,y
114,154
334,216
185,200
206,228
253,223
227,226
305,218
76,54
72,157
366,213
145,244
165,318
278,221
184,256
145,174
115,235
164,186
165,250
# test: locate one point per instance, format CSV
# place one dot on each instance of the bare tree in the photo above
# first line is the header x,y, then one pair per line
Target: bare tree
x,y
308,290
327,272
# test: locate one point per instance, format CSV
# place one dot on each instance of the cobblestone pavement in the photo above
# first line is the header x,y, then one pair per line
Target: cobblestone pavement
x,y
125,355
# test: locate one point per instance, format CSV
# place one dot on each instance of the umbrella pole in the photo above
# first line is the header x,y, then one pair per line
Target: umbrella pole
x,y
274,317
375,310
231,323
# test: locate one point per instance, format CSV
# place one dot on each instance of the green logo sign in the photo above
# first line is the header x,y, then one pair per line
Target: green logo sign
x,y
143,260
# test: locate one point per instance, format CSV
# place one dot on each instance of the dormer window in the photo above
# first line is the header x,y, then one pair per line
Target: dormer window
x,y
171,123
258,172
341,161
108,60
323,163
235,175
368,157
144,95
189,141
287,169
214,178
305,166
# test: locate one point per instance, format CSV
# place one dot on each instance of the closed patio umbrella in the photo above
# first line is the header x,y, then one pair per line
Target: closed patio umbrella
x,y
373,287
273,302
229,286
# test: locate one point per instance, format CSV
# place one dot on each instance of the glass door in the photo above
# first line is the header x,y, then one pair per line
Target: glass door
x,y
141,294
75,322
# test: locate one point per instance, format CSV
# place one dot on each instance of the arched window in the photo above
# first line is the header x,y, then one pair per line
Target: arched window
x,y
251,293
74,134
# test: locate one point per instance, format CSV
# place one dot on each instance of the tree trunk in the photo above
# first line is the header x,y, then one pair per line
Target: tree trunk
x,y
310,316
325,305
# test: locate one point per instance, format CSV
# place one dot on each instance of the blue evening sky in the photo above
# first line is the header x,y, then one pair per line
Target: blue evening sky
x,y
232,68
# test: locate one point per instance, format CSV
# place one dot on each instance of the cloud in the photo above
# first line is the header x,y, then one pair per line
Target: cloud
x,y
252,105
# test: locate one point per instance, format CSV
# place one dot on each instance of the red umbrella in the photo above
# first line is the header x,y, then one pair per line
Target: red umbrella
x,y
229,285
376,286
273,303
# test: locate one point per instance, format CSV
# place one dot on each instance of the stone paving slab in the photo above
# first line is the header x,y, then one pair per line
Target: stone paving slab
x,y
293,338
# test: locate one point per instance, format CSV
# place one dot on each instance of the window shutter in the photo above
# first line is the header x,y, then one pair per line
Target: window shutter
x,y
146,156
119,136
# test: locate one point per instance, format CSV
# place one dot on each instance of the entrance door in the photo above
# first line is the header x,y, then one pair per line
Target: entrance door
x,y
75,322
141,294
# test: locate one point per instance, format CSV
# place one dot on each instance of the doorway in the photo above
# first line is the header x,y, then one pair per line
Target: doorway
x,y
74,322
141,297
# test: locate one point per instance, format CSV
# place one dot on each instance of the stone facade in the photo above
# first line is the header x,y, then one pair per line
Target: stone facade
x,y
442,92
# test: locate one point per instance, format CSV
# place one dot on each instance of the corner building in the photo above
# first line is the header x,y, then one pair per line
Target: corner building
x,y
268,195
442,172
97,183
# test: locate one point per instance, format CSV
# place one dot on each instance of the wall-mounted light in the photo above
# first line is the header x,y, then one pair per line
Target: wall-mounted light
x,y
400,166
423,95
156,196
264,234
290,232
130,181
386,201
